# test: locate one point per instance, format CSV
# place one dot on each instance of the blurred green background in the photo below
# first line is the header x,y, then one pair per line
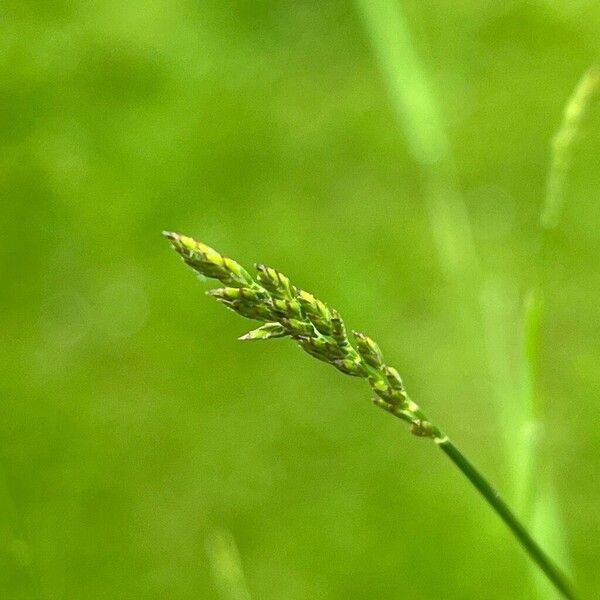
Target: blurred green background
x,y
389,157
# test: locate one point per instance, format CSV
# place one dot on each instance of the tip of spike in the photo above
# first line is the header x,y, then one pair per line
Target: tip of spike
x,y
170,235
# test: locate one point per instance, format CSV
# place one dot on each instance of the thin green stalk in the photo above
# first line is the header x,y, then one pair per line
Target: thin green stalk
x,y
537,554
288,311
493,498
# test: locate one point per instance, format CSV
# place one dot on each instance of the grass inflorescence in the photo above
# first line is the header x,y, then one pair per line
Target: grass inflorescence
x,y
288,311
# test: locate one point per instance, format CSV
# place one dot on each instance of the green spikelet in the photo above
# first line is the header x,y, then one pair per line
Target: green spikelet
x,y
275,282
350,366
247,302
208,262
338,329
298,328
265,332
369,350
286,309
317,312
393,378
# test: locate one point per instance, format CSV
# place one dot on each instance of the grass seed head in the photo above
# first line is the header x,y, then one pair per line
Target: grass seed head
x,y
319,330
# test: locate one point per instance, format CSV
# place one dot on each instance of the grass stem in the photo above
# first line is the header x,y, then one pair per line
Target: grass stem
x,y
493,498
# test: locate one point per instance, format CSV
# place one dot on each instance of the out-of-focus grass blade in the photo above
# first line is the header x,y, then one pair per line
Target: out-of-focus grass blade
x,y
417,110
541,501
226,565
548,525
499,307
586,92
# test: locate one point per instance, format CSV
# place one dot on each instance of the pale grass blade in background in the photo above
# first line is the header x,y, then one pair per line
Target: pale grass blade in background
x,y
226,565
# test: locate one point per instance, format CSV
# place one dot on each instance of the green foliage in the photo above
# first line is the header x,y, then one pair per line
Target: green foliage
x,y
132,427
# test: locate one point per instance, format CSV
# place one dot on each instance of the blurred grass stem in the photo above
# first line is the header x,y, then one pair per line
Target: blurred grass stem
x,y
417,111
539,493
575,112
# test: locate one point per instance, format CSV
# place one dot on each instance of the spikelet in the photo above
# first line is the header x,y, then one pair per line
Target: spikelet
x,y
208,262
